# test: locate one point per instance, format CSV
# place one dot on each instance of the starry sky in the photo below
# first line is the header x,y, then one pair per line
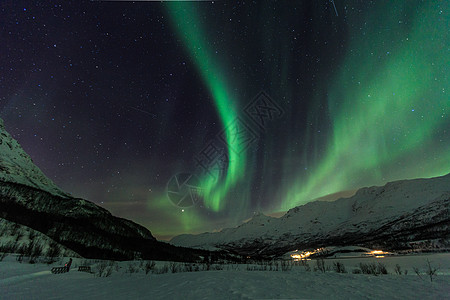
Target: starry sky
x,y
191,116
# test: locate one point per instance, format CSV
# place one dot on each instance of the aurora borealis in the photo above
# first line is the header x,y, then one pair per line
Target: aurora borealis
x,y
113,99
387,111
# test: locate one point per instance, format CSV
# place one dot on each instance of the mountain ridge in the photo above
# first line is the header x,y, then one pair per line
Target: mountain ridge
x,y
361,219
17,166
32,201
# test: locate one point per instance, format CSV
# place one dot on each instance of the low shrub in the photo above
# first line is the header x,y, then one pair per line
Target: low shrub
x,y
398,269
373,268
161,270
148,266
320,265
339,267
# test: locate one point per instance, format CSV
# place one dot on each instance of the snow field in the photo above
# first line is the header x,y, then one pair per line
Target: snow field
x,y
34,281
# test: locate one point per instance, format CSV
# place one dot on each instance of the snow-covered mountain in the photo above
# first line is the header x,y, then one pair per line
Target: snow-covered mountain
x,y
17,167
391,216
28,199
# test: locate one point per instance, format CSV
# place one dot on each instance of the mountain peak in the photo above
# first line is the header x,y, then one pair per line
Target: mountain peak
x,y
16,166
258,214
259,217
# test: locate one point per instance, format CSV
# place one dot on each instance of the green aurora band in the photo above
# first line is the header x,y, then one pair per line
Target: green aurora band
x,y
387,106
382,110
184,17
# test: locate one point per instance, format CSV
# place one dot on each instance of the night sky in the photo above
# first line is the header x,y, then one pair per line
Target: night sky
x,y
191,116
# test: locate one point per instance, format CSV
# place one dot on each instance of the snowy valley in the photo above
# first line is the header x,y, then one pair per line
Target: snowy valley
x,y
383,242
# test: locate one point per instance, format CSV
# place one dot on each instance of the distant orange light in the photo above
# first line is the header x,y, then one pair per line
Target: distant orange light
x,y
378,253
303,255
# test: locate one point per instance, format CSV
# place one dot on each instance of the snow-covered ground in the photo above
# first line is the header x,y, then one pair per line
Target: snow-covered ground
x,y
35,281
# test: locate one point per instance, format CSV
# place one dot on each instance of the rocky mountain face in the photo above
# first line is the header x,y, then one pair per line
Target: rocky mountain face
x,y
28,198
393,216
16,166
